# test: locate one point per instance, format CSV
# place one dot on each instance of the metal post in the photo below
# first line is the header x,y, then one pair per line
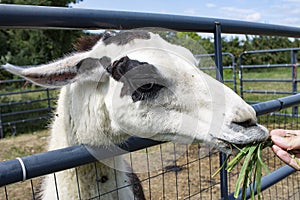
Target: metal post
x,y
1,127
218,51
233,71
241,76
219,77
294,78
48,100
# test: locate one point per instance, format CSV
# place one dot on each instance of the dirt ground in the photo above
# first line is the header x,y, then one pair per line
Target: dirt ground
x,y
164,175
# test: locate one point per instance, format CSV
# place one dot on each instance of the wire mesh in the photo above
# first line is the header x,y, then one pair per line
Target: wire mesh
x,y
172,171
24,107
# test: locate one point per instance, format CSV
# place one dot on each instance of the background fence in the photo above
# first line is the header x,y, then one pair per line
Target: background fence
x,y
26,109
262,80
187,176
229,70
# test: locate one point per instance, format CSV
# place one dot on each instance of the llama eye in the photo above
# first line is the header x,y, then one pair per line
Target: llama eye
x,y
146,88
146,92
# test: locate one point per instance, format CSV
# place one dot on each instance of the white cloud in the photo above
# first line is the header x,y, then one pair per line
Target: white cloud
x,y
241,14
210,5
290,21
253,17
295,11
292,1
190,12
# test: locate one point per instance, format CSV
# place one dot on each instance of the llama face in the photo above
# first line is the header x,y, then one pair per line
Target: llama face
x,y
153,89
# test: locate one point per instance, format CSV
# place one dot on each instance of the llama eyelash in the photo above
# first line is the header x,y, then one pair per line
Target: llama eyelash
x,y
146,92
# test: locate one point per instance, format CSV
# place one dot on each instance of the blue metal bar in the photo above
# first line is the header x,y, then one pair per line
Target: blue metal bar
x,y
21,16
269,80
12,81
266,92
240,60
27,102
268,180
219,77
276,105
270,50
57,160
10,123
218,52
25,91
268,66
25,112
294,77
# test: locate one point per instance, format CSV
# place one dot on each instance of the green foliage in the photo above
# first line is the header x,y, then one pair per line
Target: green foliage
x,y
24,47
31,47
59,3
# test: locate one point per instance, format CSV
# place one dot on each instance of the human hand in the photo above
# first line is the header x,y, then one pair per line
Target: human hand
x,y
287,146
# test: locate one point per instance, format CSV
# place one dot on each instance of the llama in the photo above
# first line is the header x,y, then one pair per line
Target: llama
x,y
134,83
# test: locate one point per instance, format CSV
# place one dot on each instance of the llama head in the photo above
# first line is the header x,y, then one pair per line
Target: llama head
x,y
152,89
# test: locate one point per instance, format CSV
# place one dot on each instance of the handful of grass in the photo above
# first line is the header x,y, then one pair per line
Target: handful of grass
x,y
251,171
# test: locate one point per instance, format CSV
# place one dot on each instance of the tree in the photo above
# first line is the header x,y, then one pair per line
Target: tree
x,y
24,46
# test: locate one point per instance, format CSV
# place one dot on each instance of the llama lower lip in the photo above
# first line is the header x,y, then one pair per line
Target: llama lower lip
x,y
241,135
227,147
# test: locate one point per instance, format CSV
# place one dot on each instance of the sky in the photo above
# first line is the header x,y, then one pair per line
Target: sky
x,y
281,12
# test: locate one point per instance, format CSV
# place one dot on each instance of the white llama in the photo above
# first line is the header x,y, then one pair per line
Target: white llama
x,y
134,83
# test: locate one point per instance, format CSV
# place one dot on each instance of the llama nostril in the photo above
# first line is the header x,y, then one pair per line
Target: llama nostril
x,y
246,124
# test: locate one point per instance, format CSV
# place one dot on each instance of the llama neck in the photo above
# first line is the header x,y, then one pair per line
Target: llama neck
x,y
81,117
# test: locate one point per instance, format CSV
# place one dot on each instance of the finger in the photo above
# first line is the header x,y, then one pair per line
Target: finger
x,y
284,132
285,157
288,143
278,132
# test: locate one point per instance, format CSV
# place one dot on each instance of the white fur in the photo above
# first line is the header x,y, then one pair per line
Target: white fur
x,y
90,110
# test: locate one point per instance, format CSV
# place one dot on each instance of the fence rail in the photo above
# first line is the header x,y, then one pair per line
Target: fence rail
x,y
17,16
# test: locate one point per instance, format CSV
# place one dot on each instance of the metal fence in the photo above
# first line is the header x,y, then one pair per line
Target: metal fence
x,y
184,177
254,88
24,107
230,77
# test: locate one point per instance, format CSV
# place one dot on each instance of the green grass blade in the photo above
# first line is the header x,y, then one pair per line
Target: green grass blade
x,y
258,174
223,165
259,159
243,176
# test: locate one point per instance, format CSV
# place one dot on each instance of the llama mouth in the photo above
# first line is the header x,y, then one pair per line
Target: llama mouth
x,y
238,136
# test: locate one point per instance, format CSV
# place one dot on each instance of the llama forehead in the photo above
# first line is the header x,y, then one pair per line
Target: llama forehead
x,y
124,38
86,43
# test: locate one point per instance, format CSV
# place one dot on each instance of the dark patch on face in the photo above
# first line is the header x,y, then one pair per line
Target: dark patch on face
x,y
141,80
136,186
124,38
88,64
86,43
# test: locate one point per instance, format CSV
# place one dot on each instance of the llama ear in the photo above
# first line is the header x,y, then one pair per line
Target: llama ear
x,y
68,70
